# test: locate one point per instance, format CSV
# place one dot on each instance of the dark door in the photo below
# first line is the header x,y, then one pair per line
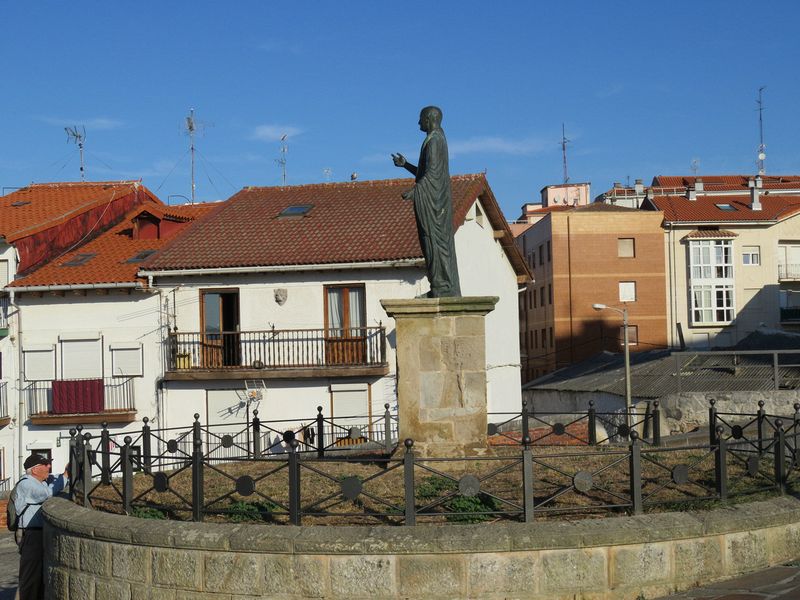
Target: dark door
x,y
220,325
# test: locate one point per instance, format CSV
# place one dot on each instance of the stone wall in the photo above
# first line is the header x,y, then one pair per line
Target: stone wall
x,y
92,555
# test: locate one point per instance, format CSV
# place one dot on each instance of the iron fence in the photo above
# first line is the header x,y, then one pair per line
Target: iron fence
x,y
277,348
314,481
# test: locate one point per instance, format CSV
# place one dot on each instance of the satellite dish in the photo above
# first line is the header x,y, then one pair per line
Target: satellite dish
x,y
761,156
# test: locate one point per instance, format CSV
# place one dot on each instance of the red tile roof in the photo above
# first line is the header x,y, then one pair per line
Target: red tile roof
x,y
704,209
351,222
112,250
710,234
40,206
728,182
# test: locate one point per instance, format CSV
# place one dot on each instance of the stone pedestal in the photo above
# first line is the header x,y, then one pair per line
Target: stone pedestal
x,y
441,373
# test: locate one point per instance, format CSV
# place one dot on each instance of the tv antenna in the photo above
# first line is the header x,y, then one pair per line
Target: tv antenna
x,y
191,129
327,172
695,166
78,137
282,160
761,146
564,142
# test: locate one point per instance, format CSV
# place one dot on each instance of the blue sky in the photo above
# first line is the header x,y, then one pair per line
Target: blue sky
x,y
643,88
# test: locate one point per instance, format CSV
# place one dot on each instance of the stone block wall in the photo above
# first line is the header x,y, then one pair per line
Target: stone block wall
x,y
97,556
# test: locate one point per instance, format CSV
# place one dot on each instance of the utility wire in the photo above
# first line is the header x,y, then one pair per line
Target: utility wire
x,y
209,163
172,170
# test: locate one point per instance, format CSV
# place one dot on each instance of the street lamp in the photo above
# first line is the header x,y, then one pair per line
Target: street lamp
x,y
627,352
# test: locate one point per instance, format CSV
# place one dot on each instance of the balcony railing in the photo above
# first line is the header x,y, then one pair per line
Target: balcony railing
x,y
277,349
117,397
790,314
3,399
788,271
4,304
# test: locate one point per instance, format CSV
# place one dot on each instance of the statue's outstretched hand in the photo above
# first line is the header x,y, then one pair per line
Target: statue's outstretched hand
x,y
399,160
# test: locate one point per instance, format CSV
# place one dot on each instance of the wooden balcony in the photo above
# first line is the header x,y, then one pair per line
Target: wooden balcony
x,y
277,353
114,403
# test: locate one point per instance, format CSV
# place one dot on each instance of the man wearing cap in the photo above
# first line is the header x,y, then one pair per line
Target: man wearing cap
x,y
32,490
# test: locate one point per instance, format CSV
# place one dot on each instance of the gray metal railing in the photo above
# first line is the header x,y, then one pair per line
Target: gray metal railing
x,y
118,395
3,399
277,348
788,271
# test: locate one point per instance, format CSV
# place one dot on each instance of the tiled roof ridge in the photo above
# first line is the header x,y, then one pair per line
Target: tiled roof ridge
x,y
133,182
370,182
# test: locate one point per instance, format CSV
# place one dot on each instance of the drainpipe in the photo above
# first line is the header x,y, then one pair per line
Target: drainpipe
x,y
20,394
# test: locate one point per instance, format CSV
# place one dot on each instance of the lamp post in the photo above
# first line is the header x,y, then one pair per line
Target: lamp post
x,y
627,353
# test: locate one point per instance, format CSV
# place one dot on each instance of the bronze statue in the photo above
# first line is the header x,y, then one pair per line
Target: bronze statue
x,y
433,205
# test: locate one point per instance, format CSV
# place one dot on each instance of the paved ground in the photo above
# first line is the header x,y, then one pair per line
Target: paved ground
x,y
9,565
777,583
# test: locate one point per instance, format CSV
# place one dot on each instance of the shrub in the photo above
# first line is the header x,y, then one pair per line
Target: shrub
x,y
260,510
471,504
146,512
434,486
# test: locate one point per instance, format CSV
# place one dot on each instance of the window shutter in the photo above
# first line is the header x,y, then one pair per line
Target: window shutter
x,y
81,359
3,272
39,363
126,360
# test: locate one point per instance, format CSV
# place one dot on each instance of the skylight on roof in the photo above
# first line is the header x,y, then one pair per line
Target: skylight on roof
x,y
726,207
79,259
298,210
140,256
20,203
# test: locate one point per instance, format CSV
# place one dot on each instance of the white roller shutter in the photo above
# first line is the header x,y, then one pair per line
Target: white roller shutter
x,y
40,362
81,359
3,272
126,360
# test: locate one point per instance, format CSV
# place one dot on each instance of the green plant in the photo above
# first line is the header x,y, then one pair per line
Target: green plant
x,y
260,510
146,512
434,486
470,504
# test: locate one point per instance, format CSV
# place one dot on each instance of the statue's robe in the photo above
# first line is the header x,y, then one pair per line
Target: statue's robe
x,y
433,207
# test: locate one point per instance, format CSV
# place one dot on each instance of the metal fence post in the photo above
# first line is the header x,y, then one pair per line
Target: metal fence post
x,y
320,433
198,497
760,415
527,479
105,458
408,482
656,414
197,432
256,427
147,449
592,424
776,375
721,464
780,456
387,429
87,468
712,422
294,483
74,472
525,419
127,474
636,473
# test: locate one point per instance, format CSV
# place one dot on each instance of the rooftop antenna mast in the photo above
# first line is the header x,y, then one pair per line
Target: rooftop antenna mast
x,y
78,137
282,160
695,166
191,129
761,146
564,142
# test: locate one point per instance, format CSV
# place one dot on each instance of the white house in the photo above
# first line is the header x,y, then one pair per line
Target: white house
x,y
276,298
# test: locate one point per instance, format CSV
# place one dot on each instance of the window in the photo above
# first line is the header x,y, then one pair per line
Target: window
x,y
552,338
535,339
40,362
633,335
751,255
299,210
126,360
549,253
79,259
626,248
541,296
627,291
141,256
711,269
541,254
725,207
533,260
345,325
81,357
549,293
544,337
533,295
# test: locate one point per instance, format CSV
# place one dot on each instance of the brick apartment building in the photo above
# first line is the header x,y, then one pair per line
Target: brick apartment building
x,y
588,254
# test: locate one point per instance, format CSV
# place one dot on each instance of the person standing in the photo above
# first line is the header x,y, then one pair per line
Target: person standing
x,y
433,205
32,490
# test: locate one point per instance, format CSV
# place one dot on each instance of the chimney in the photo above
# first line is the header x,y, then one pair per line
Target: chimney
x,y
755,191
650,194
617,185
638,187
698,184
691,193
